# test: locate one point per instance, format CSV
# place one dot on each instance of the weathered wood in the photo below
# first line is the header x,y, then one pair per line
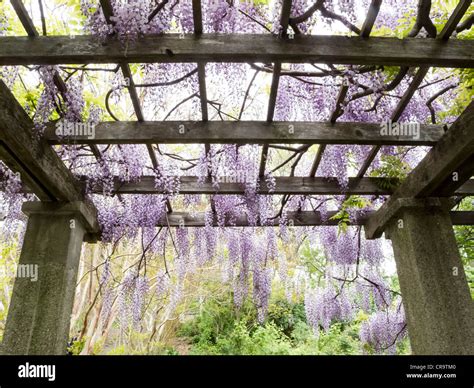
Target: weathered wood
x,y
453,152
108,12
238,48
454,19
284,21
244,132
197,16
270,113
283,185
340,100
26,176
302,218
24,17
198,29
372,13
37,158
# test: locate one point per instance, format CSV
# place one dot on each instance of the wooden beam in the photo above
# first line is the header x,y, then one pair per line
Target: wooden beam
x,y
27,177
369,21
340,100
453,152
198,29
171,48
244,132
283,185
302,218
197,17
284,21
108,12
24,17
32,157
454,19
271,110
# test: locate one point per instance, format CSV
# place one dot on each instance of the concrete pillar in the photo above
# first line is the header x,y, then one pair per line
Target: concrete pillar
x,y
438,304
39,313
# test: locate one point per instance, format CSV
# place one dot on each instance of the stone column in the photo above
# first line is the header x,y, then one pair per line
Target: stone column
x,y
40,310
438,304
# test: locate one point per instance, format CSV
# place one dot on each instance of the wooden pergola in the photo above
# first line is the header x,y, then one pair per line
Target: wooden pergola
x,y
417,217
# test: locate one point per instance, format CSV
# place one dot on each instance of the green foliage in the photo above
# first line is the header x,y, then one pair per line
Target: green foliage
x,y
219,331
343,216
8,259
392,170
217,317
286,315
76,347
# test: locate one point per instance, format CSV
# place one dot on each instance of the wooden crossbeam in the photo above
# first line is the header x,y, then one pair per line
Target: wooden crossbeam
x,y
302,218
245,132
173,48
283,186
448,164
444,35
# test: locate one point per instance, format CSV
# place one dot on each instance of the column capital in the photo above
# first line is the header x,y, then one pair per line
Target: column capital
x,y
379,221
84,210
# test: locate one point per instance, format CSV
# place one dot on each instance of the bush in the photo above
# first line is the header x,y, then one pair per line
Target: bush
x,y
221,329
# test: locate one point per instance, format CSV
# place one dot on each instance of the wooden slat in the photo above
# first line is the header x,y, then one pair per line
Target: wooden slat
x,y
283,185
454,19
271,110
197,16
339,101
302,218
317,159
453,152
24,17
108,12
238,48
284,21
137,108
372,13
198,29
244,132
